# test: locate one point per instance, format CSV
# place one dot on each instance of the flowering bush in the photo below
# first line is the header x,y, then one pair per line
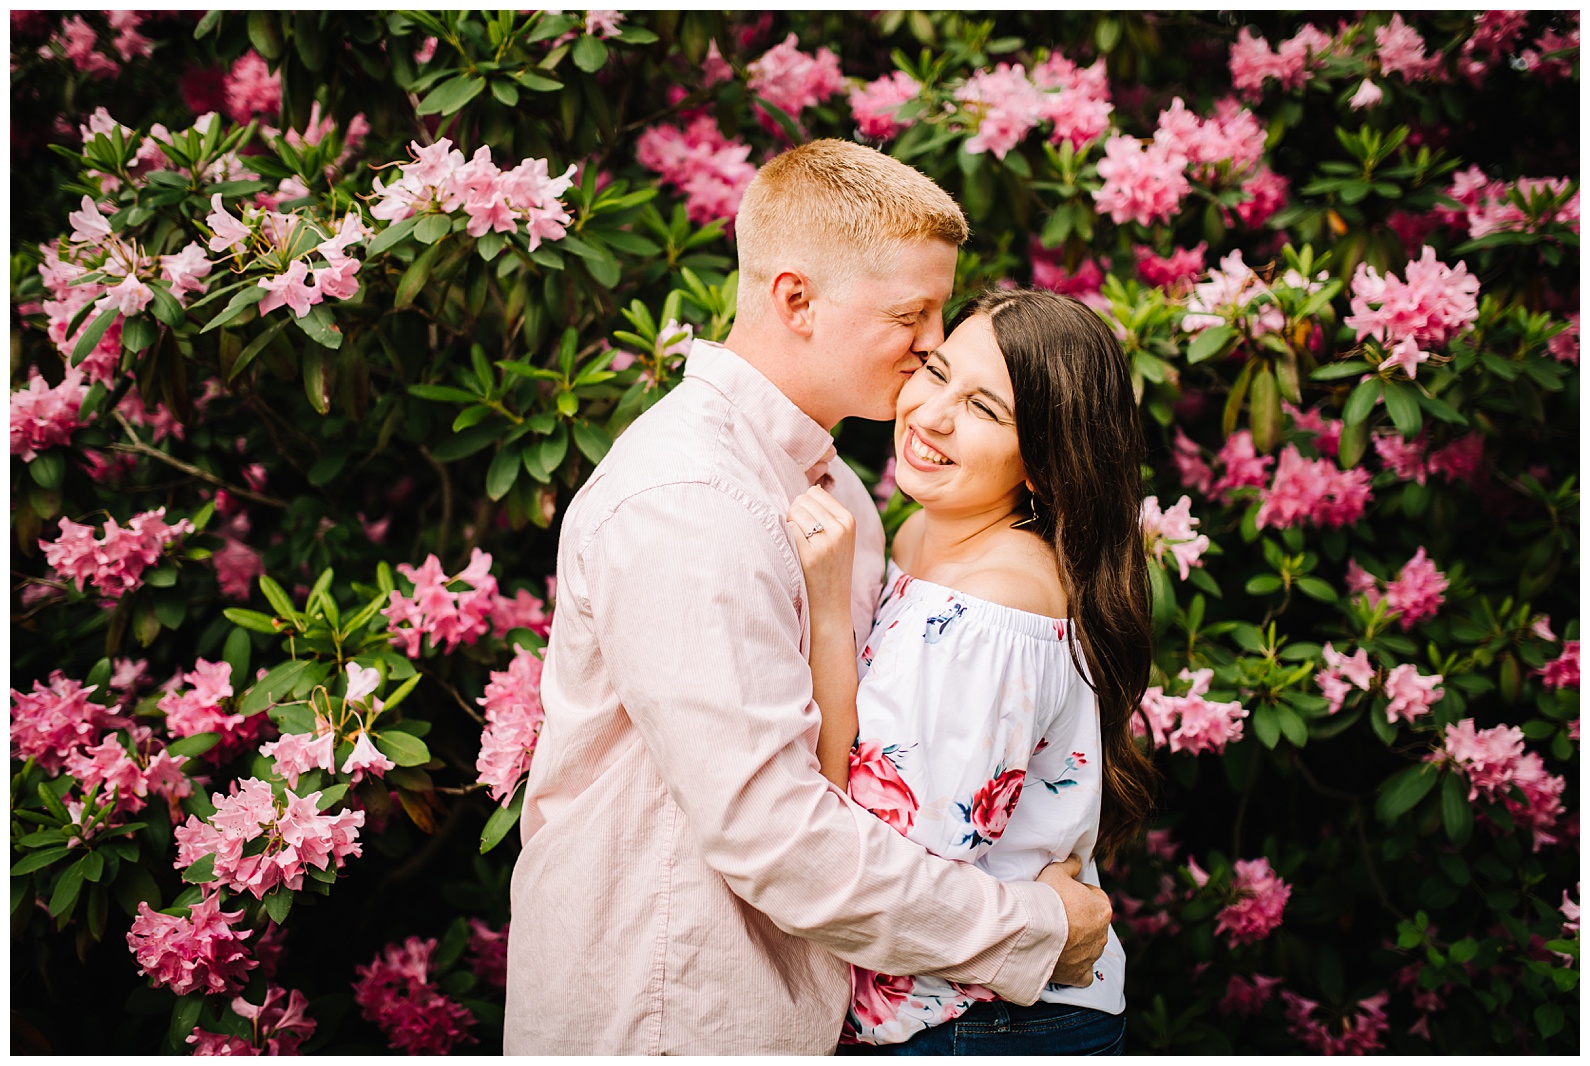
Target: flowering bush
x,y
320,319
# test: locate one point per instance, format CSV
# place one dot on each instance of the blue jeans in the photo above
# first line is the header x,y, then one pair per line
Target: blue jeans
x,y
1000,1028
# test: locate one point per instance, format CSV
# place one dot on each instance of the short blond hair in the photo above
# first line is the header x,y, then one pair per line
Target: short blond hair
x,y
835,208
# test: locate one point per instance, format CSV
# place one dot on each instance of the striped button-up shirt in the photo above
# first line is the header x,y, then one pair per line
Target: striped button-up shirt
x,y
690,883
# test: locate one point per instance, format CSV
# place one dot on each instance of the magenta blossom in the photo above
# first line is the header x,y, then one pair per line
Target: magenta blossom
x,y
115,563
396,992
1256,912
198,953
1359,1033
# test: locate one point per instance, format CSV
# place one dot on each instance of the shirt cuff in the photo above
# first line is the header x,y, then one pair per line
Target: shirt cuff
x,y
1031,962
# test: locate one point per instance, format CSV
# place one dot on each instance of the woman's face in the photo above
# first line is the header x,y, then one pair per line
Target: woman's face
x,y
955,444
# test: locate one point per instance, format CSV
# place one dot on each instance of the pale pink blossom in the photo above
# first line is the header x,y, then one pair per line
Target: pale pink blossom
x,y
1232,294
54,720
711,170
127,297
279,1027
1564,347
365,756
1401,51
1405,458
1359,1033
1252,63
289,289
876,105
1368,95
425,52
1488,756
603,23
1005,105
1315,491
295,754
525,610
1417,590
1173,531
1411,693
207,1043
185,270
513,723
1141,185
88,225
43,415
1431,306
108,766
1076,99
237,567
1190,723
448,618
76,41
199,953
1261,898
229,232
1241,466
396,992
297,836
205,708
115,562
792,80
1195,472
1535,59
1341,673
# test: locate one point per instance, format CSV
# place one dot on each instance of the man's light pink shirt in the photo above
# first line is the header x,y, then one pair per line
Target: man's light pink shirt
x,y
690,883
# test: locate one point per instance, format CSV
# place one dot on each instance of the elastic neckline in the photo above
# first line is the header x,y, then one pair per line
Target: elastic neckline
x,y
1040,626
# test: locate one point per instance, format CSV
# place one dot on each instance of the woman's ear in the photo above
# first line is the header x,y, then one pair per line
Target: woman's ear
x,y
792,302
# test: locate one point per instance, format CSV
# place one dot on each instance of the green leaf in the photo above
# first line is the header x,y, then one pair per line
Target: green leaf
x,y
1263,584
278,904
502,819
255,346
320,325
405,749
277,596
273,687
239,303
592,440
258,622
1403,791
1210,343
48,470
1349,368
1361,402
1549,1019
443,393
201,872
537,82
451,95
1266,725
137,333
166,307
433,228
391,235
184,1018
468,442
1315,588
1292,726
91,336
589,54
415,277
504,471
1456,813
39,859
1403,407
197,744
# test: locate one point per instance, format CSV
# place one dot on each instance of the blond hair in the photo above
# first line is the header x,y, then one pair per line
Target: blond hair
x,y
833,209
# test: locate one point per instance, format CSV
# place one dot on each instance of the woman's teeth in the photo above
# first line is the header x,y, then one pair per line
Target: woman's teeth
x,y
927,454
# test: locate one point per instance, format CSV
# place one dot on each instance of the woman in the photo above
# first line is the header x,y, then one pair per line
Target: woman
x,y
1010,648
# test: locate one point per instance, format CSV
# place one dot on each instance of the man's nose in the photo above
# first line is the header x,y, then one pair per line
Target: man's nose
x,y
929,336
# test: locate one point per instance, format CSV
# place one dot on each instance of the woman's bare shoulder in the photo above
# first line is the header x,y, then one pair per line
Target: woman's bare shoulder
x,y
1018,570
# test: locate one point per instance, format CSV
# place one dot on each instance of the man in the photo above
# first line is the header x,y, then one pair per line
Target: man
x,y
690,883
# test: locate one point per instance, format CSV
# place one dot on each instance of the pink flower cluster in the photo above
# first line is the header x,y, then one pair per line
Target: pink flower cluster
x,y
1358,1033
1564,347
42,415
1315,491
251,89
279,1028
1410,693
1401,51
1542,59
1242,467
1049,272
1246,996
1495,34
448,618
1190,723
1416,593
1261,897
1252,62
76,41
709,169
792,80
438,180
199,953
297,836
1231,138
1495,762
1141,185
108,766
54,720
115,562
395,992
1561,672
1173,531
1005,105
876,105
1458,460
1078,98
1432,306
203,709
1489,206
1174,272
488,953
1342,673
513,722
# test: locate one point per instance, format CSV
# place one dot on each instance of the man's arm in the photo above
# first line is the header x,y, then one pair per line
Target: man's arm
x,y
692,594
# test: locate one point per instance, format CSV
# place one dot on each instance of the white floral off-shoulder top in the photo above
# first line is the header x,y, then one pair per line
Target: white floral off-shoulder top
x,y
978,739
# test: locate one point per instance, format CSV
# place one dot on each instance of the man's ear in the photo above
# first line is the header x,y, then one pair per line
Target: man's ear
x,y
792,301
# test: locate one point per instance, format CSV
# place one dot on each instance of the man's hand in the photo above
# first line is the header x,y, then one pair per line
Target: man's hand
x,y
1088,912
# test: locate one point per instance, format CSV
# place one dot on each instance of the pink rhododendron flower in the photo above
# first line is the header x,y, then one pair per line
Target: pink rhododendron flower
x,y
88,225
207,1043
1173,531
1246,996
1417,590
1231,141
129,42
1488,756
199,953
237,567
297,836
1461,459
1535,59
43,416
1266,195
54,720
513,723
252,89
1564,347
365,756
1368,95
289,289
1403,457
1195,473
108,766
1401,51
603,23
1433,305
76,41
203,709
1141,185
792,80
1411,693
1315,491
279,1027
115,562
525,610
448,618
1076,99
488,953
1563,671
711,170
1252,63
1261,897
1006,106
229,232
1341,673
395,992
1230,294
1190,723
1242,466
1178,270
425,52
1359,1033
185,269
876,105
295,754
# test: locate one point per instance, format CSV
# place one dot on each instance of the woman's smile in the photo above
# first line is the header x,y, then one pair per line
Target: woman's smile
x,y
922,455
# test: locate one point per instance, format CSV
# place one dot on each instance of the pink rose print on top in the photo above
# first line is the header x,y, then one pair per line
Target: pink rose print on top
x,y
876,998
990,810
876,784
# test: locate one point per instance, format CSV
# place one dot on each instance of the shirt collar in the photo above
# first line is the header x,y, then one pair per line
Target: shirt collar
x,y
808,444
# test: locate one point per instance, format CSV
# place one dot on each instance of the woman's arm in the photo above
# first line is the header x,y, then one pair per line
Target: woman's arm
x,y
826,559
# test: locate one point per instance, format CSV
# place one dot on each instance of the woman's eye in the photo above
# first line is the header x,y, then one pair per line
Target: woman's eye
x,y
938,375
984,410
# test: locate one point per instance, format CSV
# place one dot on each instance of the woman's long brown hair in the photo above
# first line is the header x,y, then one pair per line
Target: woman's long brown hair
x,y
1082,445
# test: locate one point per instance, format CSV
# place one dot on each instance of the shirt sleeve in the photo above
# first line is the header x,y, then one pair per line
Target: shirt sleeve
x,y
693,593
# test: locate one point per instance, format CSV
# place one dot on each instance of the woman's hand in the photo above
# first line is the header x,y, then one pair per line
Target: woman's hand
x,y
826,555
